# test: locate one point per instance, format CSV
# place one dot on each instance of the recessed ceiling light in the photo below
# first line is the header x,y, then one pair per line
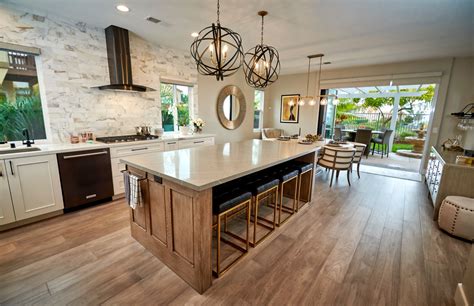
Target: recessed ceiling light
x,y
194,34
123,8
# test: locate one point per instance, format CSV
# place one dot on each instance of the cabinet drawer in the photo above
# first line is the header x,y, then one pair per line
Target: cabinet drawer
x,y
135,149
196,142
171,145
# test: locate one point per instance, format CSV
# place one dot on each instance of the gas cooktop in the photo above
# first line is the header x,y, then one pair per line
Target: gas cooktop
x,y
126,138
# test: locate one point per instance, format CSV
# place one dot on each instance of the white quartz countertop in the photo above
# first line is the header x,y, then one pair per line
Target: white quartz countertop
x,y
46,149
201,168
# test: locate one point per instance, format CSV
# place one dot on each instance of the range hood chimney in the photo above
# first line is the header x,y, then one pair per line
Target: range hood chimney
x,y
120,64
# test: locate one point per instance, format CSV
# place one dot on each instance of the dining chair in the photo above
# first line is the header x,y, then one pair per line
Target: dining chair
x,y
337,133
360,150
364,136
383,141
337,159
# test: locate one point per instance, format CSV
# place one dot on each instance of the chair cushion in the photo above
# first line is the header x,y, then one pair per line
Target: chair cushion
x,y
227,200
299,165
261,185
286,174
456,216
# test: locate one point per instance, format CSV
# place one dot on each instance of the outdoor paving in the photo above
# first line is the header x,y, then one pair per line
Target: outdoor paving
x,y
393,161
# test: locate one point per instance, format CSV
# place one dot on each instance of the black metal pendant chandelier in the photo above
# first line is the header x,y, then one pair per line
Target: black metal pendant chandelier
x,y
261,63
217,50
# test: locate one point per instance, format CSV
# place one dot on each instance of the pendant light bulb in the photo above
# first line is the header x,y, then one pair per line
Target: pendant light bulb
x,y
301,102
335,101
323,101
312,102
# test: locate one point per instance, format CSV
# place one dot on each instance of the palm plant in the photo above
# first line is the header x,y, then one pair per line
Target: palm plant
x,y
26,113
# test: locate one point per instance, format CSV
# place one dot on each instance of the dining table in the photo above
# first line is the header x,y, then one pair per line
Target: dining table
x,y
352,133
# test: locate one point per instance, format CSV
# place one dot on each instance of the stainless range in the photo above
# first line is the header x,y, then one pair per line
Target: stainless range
x,y
126,138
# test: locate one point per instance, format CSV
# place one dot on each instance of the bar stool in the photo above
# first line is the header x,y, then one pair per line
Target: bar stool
x,y
304,169
285,176
262,187
225,203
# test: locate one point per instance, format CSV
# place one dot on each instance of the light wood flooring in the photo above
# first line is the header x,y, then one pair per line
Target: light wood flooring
x,y
370,244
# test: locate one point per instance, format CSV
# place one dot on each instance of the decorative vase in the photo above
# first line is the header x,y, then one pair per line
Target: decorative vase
x,y
197,130
184,130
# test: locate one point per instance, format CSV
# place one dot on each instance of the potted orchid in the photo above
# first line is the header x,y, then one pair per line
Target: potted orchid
x,y
198,125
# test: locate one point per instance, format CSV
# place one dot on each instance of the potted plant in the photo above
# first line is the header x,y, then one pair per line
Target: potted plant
x,y
183,123
198,125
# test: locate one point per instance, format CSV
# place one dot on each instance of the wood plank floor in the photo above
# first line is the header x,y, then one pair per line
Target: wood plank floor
x,y
370,244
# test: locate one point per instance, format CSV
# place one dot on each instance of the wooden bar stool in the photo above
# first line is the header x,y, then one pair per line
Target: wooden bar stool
x,y
231,202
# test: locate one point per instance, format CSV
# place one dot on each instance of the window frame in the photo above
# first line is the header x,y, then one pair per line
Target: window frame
x,y
175,102
36,53
261,110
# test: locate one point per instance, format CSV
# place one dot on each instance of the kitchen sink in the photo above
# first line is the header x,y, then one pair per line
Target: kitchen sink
x,y
19,150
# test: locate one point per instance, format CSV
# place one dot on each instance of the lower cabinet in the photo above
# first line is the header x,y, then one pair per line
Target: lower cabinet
x,y
7,214
34,187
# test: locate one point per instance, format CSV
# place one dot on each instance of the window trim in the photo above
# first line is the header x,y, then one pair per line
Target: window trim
x,y
175,83
262,107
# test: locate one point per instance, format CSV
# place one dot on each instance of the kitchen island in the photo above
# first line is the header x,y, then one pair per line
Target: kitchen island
x,y
175,222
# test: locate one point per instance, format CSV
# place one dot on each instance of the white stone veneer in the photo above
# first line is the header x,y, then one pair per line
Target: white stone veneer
x,y
73,59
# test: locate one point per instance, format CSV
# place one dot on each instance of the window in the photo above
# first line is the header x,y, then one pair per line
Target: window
x,y
176,106
258,110
20,101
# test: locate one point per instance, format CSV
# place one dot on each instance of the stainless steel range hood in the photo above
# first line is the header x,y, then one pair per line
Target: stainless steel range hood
x,y
120,65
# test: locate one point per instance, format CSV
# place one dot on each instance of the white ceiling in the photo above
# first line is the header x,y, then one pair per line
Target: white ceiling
x,y
349,32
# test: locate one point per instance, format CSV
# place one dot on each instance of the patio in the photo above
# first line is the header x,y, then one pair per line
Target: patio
x,y
393,161
404,109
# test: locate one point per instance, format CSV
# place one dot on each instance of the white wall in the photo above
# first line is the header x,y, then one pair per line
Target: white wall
x,y
209,89
73,59
290,84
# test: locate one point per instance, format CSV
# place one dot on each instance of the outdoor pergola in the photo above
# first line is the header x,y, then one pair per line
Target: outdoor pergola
x,y
395,91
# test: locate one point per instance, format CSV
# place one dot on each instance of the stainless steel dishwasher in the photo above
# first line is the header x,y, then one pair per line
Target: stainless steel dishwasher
x,y
86,177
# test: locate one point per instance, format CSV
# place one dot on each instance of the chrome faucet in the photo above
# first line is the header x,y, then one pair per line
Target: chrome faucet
x,y
28,142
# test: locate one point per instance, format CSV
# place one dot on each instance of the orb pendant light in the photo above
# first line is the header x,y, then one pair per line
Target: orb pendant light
x,y
217,50
261,63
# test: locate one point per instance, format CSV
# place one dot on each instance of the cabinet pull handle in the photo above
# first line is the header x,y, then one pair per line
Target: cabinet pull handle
x,y
85,155
170,143
11,167
199,141
139,149
91,196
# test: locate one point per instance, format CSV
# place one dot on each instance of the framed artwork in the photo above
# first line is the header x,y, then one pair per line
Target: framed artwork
x,y
289,109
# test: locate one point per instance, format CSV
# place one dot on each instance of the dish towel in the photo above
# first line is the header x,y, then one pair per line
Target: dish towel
x,y
133,192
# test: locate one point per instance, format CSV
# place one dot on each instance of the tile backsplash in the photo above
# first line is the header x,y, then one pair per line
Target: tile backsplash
x,y
73,60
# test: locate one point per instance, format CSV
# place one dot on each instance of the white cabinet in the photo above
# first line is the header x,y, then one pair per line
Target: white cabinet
x,y
196,142
35,186
6,206
117,152
171,145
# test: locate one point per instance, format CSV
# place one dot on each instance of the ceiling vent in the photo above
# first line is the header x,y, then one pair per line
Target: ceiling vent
x,y
153,19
